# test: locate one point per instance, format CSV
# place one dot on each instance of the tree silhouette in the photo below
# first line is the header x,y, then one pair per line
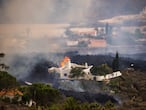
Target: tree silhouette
x,y
115,63
101,70
2,55
2,65
7,81
42,94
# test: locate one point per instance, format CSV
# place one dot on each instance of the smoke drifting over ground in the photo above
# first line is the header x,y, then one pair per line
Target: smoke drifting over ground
x,y
91,97
32,67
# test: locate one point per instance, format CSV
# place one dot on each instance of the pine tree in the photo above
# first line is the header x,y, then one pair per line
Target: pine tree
x,y
115,63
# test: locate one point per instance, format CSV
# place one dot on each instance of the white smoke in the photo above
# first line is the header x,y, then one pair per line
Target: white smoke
x,y
120,19
71,85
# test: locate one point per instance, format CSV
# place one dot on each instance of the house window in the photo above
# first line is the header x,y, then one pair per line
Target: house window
x,y
65,74
94,78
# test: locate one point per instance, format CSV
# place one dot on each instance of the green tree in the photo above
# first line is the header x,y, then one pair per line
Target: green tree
x,y
76,72
42,94
7,81
71,104
95,106
115,63
2,65
55,107
101,70
109,106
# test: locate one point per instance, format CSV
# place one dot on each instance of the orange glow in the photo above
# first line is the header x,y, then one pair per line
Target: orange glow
x,y
64,61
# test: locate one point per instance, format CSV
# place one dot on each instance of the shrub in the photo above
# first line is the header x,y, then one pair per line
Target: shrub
x,y
101,70
76,72
7,81
42,94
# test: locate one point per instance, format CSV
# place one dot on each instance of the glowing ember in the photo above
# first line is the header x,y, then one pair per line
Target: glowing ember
x,y
64,61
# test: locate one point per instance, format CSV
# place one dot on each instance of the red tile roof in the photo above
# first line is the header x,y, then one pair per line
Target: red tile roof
x,y
11,92
97,43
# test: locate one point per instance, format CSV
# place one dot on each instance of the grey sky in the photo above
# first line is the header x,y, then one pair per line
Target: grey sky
x,y
64,11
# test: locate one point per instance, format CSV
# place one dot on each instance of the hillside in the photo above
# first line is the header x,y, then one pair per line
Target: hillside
x,y
131,88
126,92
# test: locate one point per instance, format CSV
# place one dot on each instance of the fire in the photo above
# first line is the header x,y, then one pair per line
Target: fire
x,y
64,61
